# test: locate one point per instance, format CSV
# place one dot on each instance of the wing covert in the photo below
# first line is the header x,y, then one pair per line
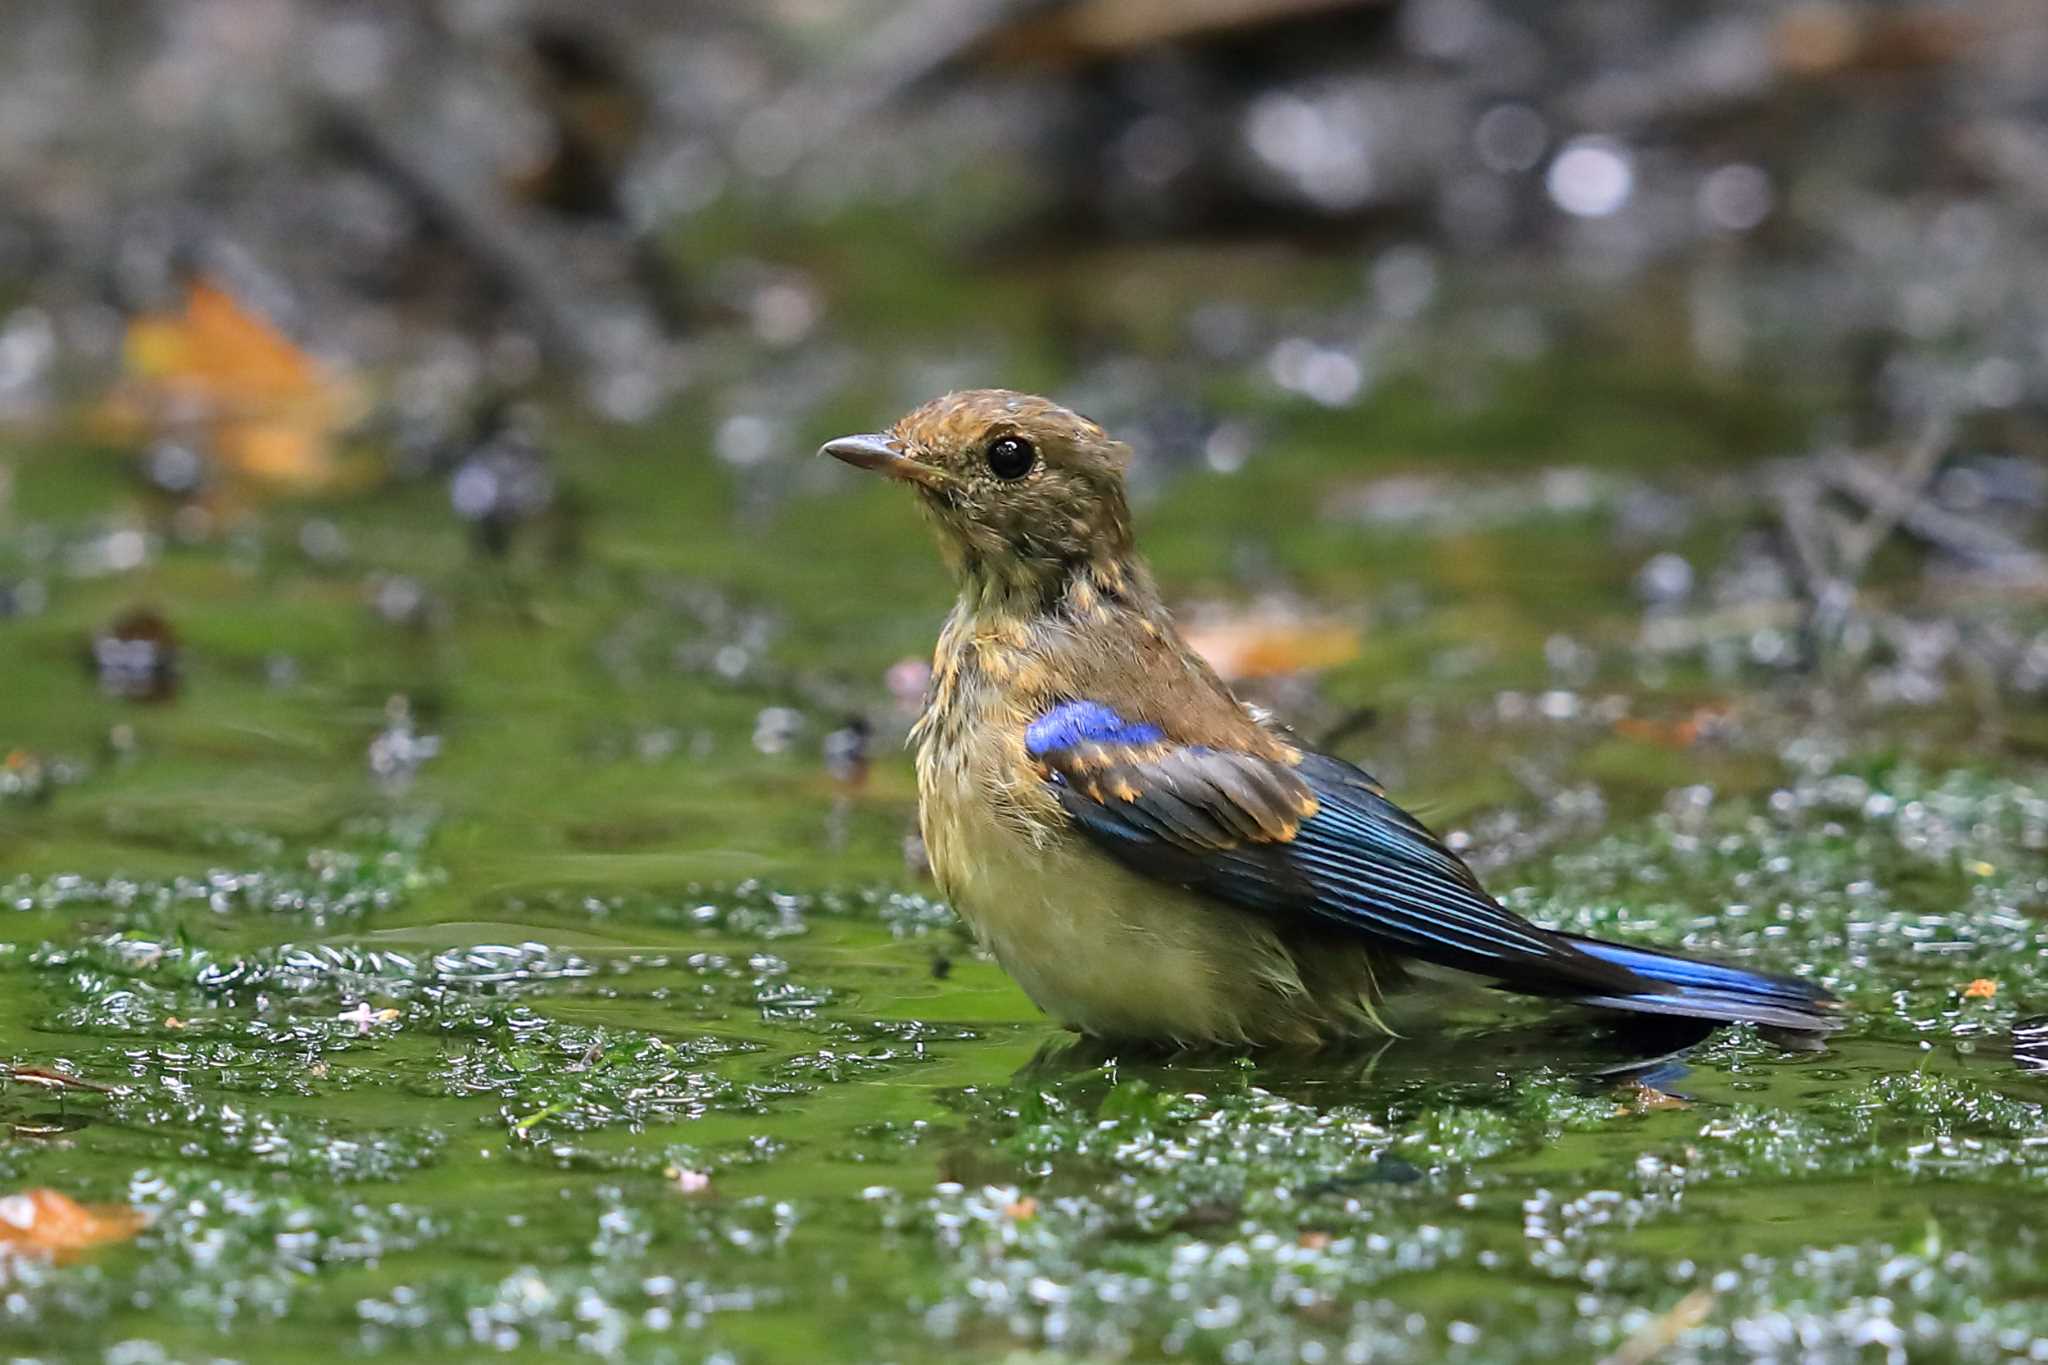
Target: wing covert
x,y
1317,838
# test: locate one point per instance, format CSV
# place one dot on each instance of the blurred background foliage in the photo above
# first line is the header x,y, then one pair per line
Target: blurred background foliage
x,y
435,672
1433,324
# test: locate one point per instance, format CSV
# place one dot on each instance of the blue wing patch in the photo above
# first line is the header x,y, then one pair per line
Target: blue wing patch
x,y
1075,723
1316,840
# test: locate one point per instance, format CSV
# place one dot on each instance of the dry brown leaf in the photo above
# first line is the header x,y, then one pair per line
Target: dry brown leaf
x,y
1824,37
45,1223
1661,1333
1266,646
1645,1099
1702,722
266,410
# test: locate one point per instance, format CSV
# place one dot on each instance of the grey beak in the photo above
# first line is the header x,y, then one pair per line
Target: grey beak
x,y
882,454
864,452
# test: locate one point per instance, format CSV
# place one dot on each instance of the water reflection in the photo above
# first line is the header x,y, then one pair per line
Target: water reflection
x,y
1475,1049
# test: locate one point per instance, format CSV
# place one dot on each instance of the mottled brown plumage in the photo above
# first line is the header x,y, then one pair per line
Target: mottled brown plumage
x,y
1055,604
1145,856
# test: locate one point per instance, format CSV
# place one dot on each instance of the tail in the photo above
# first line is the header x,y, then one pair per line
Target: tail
x,y
1712,990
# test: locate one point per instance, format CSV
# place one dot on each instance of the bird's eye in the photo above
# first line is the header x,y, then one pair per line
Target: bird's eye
x,y
1011,457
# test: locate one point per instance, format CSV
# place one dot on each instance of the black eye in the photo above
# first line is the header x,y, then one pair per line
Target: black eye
x,y
1011,457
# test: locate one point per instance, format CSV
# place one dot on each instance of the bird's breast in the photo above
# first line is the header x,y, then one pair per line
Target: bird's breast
x,y
977,790
1098,947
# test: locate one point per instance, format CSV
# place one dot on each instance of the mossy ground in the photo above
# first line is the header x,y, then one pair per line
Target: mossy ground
x,y
429,1069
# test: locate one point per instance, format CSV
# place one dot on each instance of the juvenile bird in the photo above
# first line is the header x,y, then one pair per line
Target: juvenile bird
x,y
1145,856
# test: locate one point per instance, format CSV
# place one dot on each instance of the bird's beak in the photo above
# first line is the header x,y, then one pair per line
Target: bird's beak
x,y
882,454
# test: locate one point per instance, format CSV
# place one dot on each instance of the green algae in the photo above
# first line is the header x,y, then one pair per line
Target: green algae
x,y
611,1032
491,1168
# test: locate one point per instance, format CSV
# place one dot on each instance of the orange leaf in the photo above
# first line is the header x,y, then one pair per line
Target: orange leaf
x,y
269,411
1262,647
1983,988
1703,722
1644,1099
45,1223
221,350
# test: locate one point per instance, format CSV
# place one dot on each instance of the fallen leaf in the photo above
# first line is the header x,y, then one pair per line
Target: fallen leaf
x,y
1701,723
1312,1240
1024,1208
43,1222
1816,37
1266,645
1825,37
1660,1333
1983,988
264,408
1646,1099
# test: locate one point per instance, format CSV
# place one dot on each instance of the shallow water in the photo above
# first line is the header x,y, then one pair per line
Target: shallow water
x,y
569,1003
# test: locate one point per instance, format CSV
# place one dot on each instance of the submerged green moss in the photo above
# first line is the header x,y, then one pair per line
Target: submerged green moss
x,y
686,1129
611,1024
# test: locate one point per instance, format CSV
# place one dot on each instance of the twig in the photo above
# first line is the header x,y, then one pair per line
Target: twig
x,y
1964,537
1830,594
1800,513
56,1080
489,232
913,44
1902,493
1832,559
1097,29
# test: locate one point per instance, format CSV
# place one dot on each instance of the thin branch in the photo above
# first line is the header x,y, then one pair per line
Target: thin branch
x,y
1902,493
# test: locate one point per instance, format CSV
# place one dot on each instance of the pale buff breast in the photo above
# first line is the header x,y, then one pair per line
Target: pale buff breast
x,y
1103,950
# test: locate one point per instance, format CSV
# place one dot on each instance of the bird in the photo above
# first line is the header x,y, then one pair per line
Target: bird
x,y
1151,859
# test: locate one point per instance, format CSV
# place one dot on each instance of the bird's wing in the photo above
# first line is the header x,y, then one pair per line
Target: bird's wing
x,y
1315,839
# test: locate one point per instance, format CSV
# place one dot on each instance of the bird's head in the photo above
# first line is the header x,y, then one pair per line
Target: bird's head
x,y
1023,492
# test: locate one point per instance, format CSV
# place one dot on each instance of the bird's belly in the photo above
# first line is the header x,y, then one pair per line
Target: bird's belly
x,y
1110,953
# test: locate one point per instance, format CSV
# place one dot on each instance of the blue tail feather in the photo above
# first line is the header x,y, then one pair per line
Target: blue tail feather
x,y
1714,990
